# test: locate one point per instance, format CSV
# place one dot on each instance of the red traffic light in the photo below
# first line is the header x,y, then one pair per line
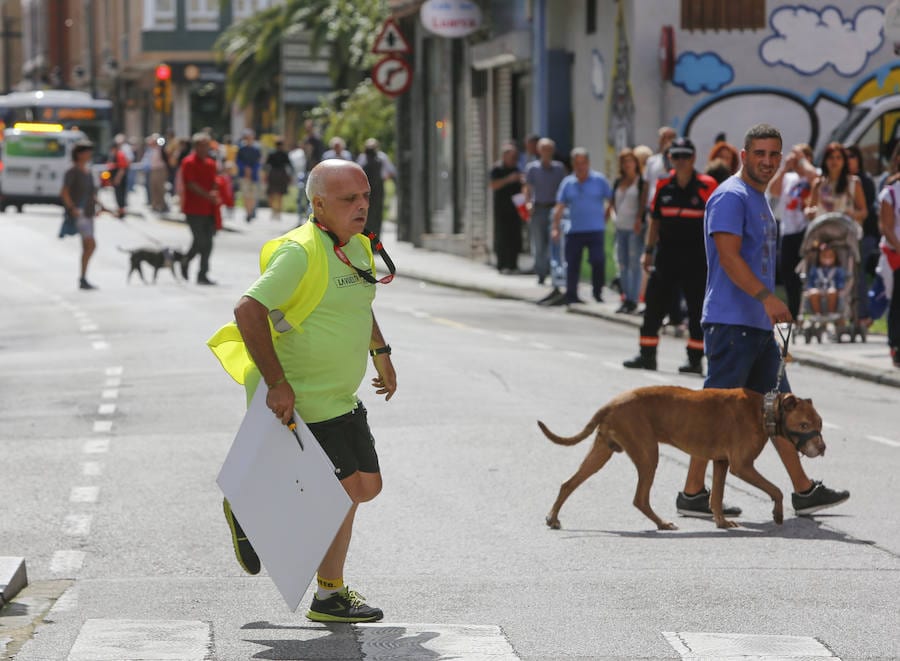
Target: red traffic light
x,y
163,72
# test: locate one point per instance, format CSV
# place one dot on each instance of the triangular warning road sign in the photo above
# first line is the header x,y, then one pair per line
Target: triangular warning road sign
x,y
390,40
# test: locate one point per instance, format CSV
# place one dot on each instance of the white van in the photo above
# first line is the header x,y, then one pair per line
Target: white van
x,y
33,160
874,126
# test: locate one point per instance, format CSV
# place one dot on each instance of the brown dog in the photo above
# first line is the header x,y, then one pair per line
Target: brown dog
x,y
727,426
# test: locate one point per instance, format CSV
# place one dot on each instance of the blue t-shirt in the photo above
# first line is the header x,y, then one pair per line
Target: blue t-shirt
x,y
585,201
737,208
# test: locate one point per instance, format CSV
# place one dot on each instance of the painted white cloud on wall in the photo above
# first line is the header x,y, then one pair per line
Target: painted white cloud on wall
x,y
808,41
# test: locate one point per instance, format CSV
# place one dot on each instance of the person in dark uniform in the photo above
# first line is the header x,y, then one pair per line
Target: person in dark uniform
x,y
506,181
676,236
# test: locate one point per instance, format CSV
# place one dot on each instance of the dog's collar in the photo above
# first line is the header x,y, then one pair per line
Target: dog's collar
x,y
773,418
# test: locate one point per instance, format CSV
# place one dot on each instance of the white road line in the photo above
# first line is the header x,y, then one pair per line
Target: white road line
x,y
113,382
110,393
114,371
830,425
722,646
418,314
541,346
91,468
450,323
106,409
67,563
96,446
575,354
614,366
102,425
77,525
100,345
884,441
89,328
507,337
131,640
434,641
87,494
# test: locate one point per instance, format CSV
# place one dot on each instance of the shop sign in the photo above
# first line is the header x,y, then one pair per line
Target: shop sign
x,y
451,18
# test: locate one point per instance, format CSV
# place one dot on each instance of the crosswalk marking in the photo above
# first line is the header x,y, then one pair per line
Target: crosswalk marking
x,y
66,563
106,409
96,446
740,646
134,640
87,494
102,425
384,641
77,525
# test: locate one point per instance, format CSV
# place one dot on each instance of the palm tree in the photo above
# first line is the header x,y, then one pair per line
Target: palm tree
x,y
252,47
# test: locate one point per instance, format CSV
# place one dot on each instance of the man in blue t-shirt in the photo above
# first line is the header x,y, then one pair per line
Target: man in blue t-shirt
x,y
739,310
586,193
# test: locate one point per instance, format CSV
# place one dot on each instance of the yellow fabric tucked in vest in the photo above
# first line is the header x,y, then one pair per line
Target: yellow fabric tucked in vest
x,y
228,345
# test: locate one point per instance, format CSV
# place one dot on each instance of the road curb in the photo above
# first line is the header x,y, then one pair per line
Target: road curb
x,y
833,365
13,578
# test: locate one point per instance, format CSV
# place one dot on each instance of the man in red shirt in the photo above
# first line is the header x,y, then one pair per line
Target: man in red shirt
x,y
200,200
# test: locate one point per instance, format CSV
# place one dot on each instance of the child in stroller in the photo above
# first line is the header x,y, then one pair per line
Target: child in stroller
x,y
829,268
824,281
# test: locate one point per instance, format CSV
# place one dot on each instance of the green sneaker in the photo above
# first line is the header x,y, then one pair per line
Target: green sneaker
x,y
243,550
344,606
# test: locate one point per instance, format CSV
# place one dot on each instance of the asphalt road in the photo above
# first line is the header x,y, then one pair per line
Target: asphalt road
x,y
115,419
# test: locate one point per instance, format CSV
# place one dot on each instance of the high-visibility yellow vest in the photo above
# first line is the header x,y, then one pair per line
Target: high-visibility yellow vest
x,y
227,343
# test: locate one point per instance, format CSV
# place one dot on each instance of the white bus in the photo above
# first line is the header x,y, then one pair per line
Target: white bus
x,y
35,158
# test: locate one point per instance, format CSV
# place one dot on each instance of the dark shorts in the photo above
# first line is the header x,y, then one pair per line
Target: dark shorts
x,y
742,357
348,442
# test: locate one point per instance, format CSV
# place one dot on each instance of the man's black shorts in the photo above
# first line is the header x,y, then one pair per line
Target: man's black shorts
x,y
348,442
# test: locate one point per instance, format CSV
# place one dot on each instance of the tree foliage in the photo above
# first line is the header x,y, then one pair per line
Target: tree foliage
x,y
252,47
364,113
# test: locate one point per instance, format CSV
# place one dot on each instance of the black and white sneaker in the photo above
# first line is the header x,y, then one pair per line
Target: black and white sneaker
x,y
698,505
818,498
344,606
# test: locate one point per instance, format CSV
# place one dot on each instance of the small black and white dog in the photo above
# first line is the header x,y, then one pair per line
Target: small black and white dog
x,y
156,257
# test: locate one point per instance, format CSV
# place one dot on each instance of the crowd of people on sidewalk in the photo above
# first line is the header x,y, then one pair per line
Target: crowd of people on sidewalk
x,y
656,205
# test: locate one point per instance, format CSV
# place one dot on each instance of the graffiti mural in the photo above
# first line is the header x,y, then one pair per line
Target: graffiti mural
x,y
801,41
620,133
704,72
808,41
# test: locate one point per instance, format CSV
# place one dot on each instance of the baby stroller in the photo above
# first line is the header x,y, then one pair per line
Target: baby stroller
x,y
841,233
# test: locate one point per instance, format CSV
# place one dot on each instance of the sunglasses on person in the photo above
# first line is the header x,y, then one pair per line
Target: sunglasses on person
x,y
377,247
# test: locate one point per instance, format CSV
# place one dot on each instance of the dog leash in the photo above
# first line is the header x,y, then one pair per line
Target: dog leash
x,y
770,397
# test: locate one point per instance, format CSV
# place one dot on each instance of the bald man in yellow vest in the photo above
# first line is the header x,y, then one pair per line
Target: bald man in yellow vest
x,y
319,276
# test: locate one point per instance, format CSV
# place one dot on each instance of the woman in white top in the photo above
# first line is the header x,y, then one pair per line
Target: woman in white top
x,y
837,191
629,201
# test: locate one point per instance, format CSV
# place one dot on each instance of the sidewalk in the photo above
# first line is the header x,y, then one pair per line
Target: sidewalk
x,y
869,361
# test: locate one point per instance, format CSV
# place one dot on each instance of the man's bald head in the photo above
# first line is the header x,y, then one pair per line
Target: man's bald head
x,y
317,181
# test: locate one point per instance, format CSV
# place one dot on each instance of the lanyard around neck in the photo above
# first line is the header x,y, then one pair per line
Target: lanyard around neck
x,y
377,247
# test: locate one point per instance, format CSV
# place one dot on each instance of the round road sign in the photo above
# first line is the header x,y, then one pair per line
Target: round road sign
x,y
392,76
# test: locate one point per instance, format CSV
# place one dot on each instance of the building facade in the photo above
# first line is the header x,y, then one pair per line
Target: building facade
x,y
604,74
